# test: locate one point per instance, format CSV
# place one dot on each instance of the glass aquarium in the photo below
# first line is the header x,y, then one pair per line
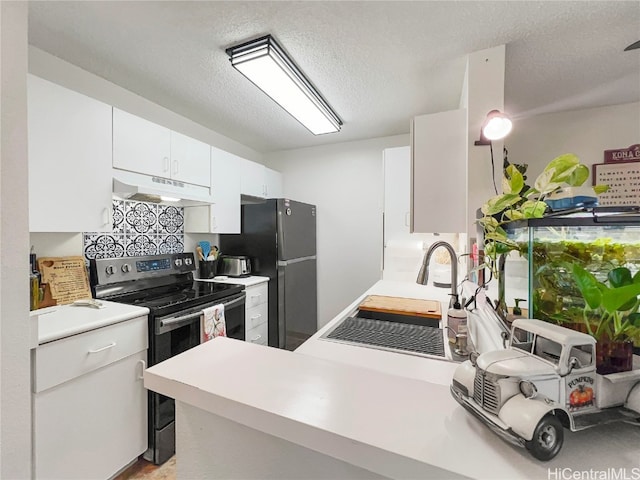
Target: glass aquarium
x,y
552,245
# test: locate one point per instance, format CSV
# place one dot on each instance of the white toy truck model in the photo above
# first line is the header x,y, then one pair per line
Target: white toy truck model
x,y
545,380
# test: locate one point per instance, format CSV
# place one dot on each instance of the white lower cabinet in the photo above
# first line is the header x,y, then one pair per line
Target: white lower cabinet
x,y
256,314
89,402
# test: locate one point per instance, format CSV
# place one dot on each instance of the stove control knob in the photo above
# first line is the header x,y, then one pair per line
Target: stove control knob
x,y
188,261
178,262
126,268
110,269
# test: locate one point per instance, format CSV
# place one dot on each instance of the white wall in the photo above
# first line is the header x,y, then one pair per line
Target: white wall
x,y
15,396
345,182
587,133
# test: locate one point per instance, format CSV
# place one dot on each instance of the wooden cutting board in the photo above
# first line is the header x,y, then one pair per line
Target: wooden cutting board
x,y
402,306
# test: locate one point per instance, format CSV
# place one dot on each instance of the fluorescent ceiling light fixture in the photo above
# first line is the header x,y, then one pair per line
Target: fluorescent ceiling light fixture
x,y
269,68
165,198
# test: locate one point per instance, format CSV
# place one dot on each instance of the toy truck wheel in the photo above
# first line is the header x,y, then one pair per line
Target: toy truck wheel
x,y
547,438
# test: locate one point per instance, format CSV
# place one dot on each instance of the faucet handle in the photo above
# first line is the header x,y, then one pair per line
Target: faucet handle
x,y
455,301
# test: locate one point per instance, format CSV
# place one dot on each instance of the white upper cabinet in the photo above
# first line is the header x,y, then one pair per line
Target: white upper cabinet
x,y
252,180
190,160
439,168
260,181
273,183
397,193
144,147
140,146
223,216
69,160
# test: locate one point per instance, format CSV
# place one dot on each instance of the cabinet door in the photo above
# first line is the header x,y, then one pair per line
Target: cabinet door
x,y
93,425
190,160
397,193
252,179
225,184
140,145
273,183
69,160
439,156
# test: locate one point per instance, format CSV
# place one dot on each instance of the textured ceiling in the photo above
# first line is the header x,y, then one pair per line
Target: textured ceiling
x,y
377,63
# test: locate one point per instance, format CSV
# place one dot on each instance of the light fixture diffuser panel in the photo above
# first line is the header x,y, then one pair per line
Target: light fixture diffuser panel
x,y
275,75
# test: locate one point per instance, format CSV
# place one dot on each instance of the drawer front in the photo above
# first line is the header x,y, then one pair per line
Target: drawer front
x,y
255,316
257,294
62,360
257,335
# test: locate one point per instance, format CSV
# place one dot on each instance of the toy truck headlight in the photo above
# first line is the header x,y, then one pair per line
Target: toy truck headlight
x,y
473,358
528,389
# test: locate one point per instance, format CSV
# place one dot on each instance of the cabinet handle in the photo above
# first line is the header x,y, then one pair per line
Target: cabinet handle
x,y
144,367
255,339
254,318
106,347
175,167
107,216
165,167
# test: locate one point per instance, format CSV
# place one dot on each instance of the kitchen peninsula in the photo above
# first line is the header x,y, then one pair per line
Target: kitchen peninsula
x,y
333,410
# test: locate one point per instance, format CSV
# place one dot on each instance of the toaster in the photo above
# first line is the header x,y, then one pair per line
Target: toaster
x,y
235,266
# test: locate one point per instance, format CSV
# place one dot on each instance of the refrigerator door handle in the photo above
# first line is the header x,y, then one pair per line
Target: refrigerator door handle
x,y
284,263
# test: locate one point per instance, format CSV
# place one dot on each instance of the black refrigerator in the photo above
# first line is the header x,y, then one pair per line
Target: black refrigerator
x,y
279,236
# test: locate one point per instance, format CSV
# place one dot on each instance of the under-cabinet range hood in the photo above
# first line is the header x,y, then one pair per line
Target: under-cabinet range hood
x,y
148,188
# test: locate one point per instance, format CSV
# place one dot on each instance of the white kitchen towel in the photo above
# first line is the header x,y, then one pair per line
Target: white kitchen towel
x,y
212,323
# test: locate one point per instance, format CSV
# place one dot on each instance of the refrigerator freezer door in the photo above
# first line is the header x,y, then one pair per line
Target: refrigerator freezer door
x,y
297,301
296,229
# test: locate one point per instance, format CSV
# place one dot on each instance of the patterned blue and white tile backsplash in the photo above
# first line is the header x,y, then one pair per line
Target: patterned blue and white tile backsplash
x,y
139,228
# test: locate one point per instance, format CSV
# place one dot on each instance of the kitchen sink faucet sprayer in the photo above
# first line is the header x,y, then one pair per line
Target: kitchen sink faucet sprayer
x,y
423,274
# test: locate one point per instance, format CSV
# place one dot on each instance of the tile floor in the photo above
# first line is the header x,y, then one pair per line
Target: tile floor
x,y
143,470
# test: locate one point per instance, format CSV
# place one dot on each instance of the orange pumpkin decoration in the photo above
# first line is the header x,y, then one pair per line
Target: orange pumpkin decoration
x,y
581,396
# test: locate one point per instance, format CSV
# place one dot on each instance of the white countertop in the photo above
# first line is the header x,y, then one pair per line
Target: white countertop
x,y
246,281
54,323
406,365
389,413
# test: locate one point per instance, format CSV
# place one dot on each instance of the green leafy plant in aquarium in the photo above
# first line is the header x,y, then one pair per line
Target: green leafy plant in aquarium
x,y
520,202
611,310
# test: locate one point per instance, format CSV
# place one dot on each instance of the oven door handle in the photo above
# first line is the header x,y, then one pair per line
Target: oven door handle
x,y
193,316
183,319
233,303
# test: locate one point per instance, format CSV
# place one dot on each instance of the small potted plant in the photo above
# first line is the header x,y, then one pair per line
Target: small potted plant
x,y
611,316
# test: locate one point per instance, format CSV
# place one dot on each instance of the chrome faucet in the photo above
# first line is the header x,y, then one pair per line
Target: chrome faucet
x,y
423,274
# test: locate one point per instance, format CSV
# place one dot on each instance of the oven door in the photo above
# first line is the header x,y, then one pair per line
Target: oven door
x,y
172,335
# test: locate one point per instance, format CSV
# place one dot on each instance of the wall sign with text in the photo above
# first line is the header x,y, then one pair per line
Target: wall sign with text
x,y
623,180
623,154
